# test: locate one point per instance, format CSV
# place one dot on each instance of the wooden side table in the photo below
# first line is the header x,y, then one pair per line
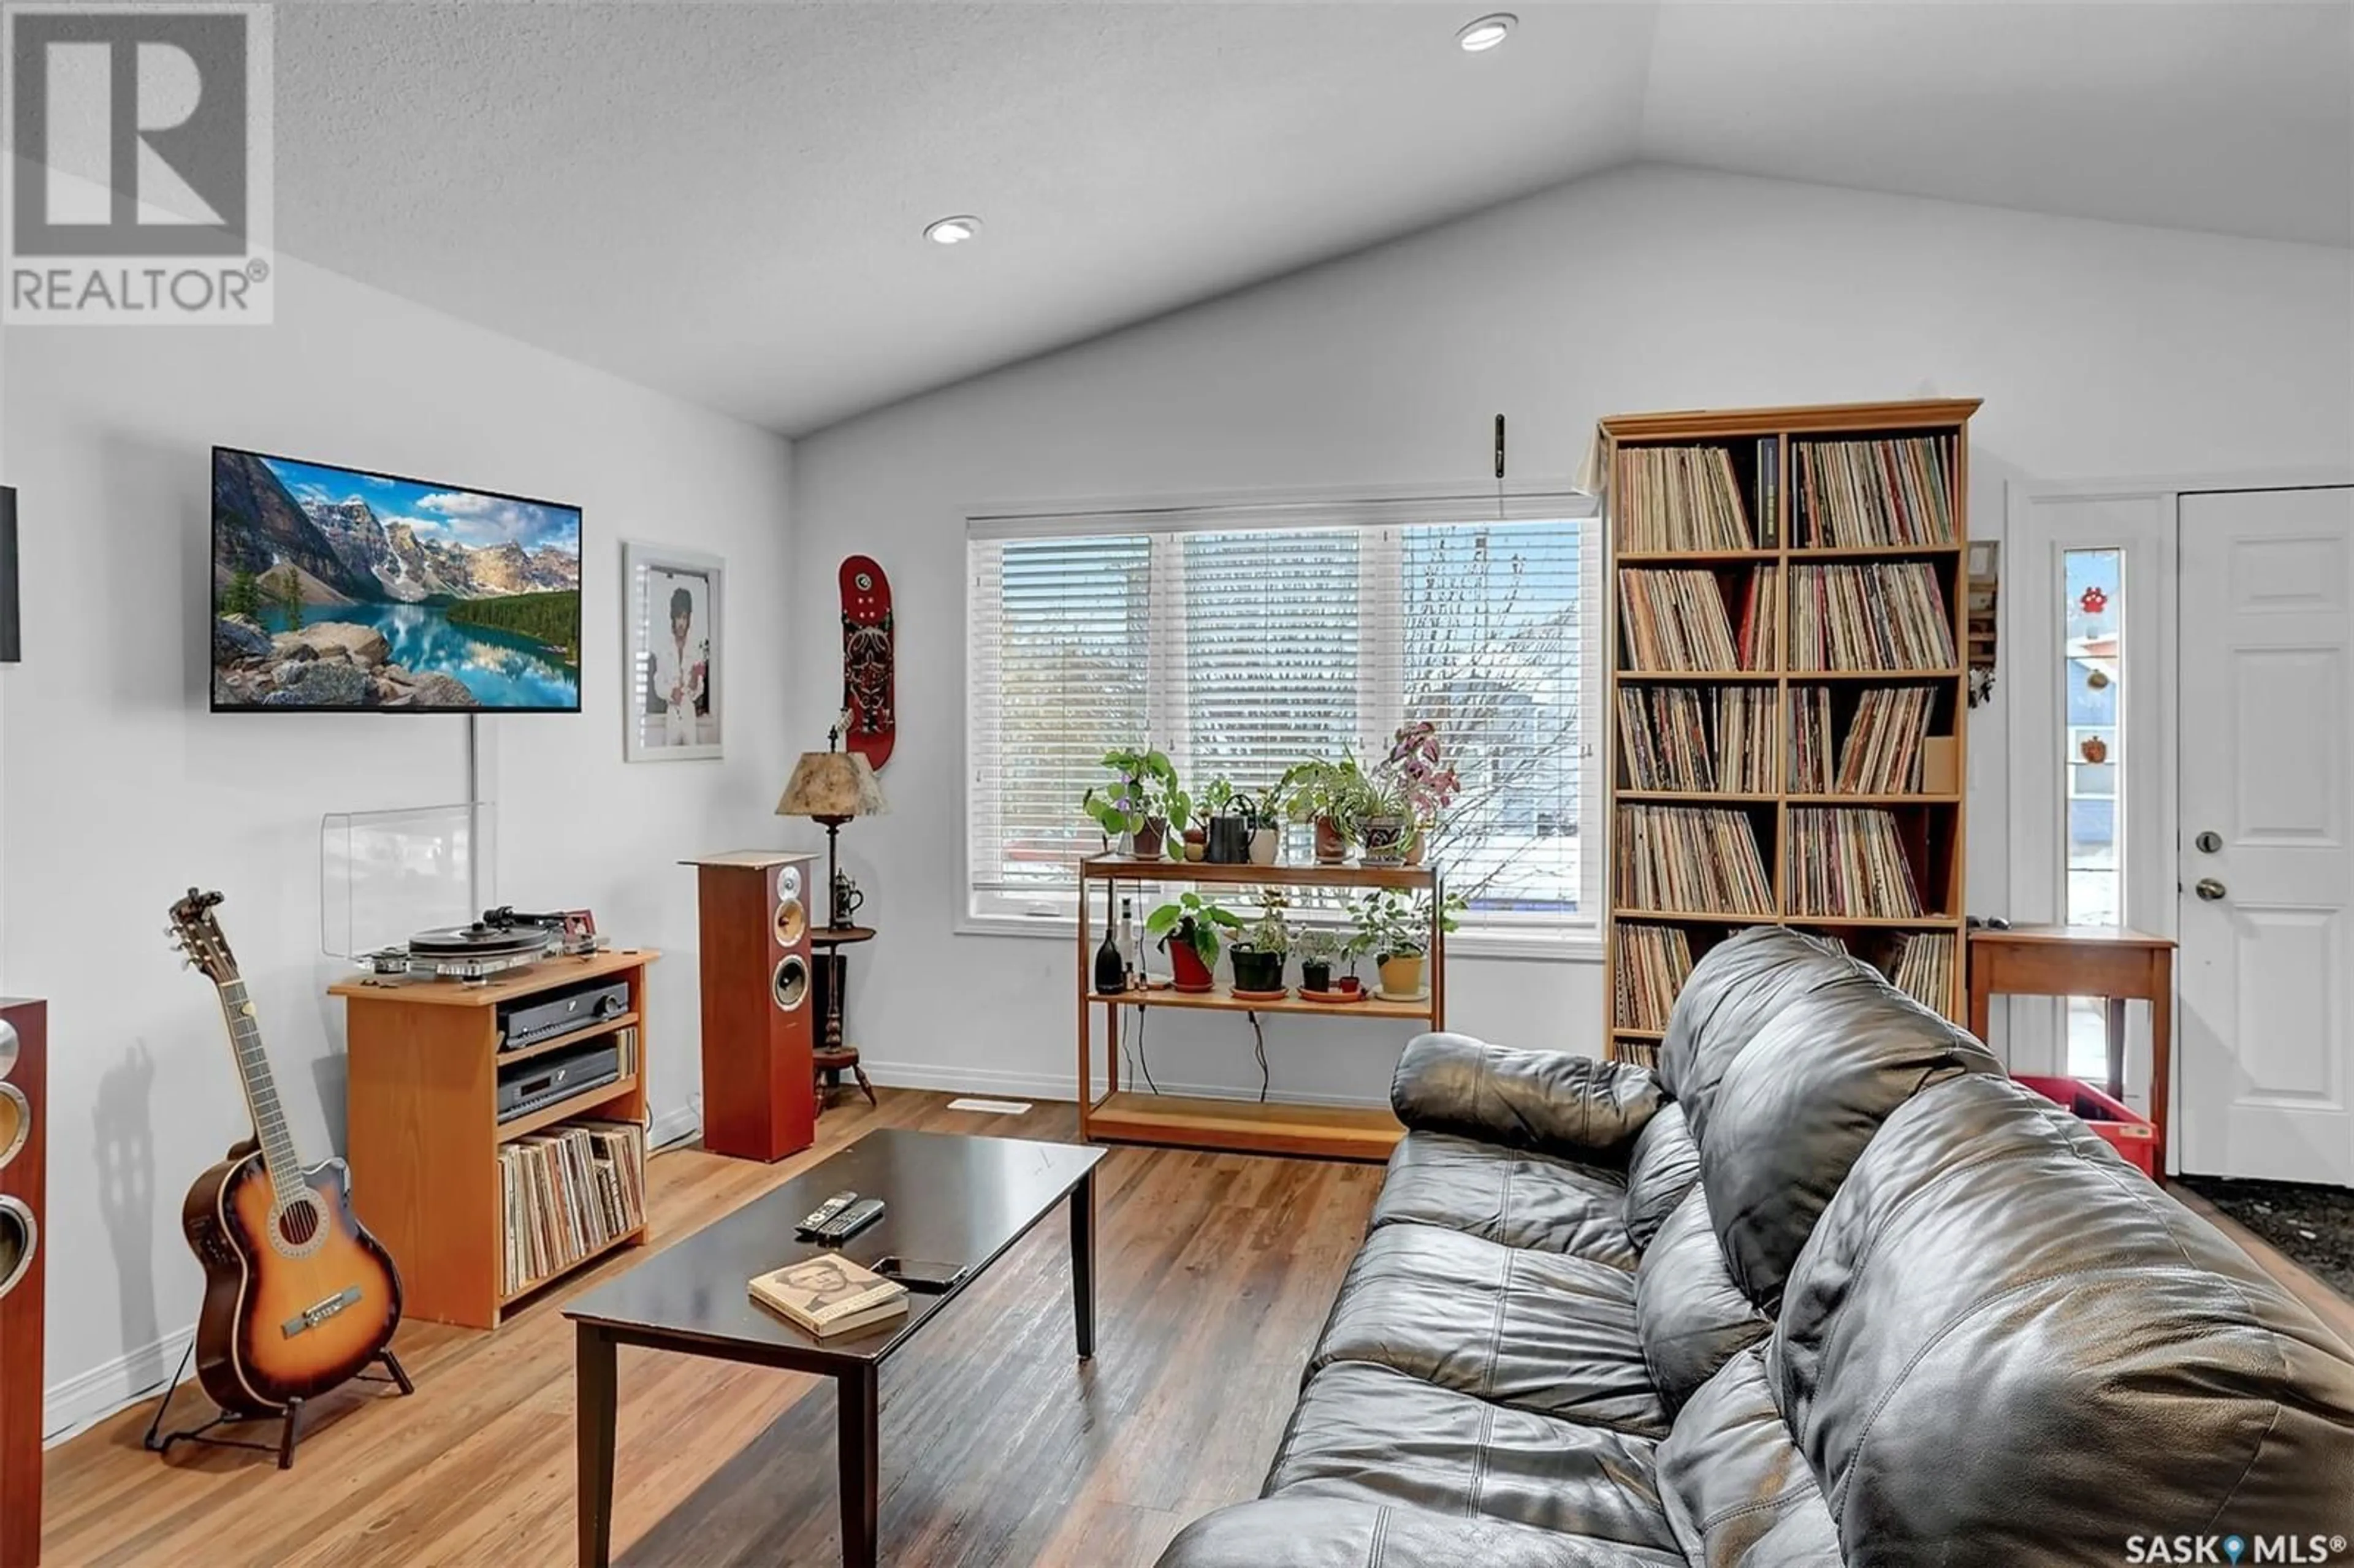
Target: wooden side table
x,y
2106,961
831,1056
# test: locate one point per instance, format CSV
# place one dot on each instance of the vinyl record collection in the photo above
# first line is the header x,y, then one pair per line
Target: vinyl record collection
x,y
1882,752
1924,967
1787,696
1654,961
569,1191
1849,862
1701,738
1697,858
1675,619
1885,615
1682,498
1849,495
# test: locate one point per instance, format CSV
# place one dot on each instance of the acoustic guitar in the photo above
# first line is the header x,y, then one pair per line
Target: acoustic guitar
x,y
298,1296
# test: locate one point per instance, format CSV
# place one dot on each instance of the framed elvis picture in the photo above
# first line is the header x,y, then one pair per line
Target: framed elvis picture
x,y
673,613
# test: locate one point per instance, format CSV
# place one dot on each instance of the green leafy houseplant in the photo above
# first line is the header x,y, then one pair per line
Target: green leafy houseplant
x,y
1188,928
1260,949
1138,804
1316,948
1385,821
1331,794
1395,928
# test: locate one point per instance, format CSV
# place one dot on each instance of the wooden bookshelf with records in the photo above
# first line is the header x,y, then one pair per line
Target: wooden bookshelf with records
x,y
1787,692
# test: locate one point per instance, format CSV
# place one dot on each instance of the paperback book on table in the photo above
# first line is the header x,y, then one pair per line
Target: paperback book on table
x,y
828,1295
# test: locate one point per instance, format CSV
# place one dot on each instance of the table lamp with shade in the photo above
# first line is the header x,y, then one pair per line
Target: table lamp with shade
x,y
833,787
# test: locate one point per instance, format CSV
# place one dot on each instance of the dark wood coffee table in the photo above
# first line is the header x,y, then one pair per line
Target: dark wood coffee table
x,y
952,1199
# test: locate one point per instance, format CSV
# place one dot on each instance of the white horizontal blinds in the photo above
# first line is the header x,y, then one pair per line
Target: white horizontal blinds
x,y
1264,642
1058,670
1243,650
1491,630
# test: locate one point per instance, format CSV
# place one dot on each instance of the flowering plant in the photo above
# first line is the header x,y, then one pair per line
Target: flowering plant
x,y
1417,770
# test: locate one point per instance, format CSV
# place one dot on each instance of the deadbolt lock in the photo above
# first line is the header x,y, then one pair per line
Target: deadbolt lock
x,y
2208,842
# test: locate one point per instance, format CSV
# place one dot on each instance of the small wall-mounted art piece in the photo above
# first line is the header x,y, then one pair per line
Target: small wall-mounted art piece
x,y
869,661
673,605
1984,588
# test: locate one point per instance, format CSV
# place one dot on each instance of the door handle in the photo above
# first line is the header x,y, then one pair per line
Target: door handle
x,y
2210,889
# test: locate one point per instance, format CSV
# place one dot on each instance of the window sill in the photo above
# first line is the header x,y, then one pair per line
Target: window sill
x,y
1581,945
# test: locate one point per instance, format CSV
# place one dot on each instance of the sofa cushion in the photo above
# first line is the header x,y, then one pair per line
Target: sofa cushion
x,y
1737,1490
1737,988
1506,1195
1322,1533
1373,1435
2001,1334
1537,1329
1547,1100
1664,1167
1691,1316
1791,1113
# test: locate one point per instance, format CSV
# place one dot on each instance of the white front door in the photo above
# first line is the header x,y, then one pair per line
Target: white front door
x,y
2266,651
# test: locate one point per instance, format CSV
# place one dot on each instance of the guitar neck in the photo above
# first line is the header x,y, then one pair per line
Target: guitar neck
x,y
269,1130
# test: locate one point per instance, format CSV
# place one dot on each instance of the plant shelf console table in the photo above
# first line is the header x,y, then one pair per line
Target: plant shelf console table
x,y
1254,1126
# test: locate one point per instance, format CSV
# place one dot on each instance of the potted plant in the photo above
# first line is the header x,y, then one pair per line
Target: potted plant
x,y
1192,843
1330,794
1395,928
1188,928
1418,767
1386,827
1259,819
1259,951
1316,948
1134,811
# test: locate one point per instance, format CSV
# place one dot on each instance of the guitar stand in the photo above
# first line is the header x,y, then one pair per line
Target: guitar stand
x,y
290,1432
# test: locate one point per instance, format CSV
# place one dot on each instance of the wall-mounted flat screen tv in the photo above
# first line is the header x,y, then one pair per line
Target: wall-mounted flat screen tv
x,y
341,590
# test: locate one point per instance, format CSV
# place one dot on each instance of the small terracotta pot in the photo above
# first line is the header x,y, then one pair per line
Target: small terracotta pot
x,y
1402,974
1414,848
1331,844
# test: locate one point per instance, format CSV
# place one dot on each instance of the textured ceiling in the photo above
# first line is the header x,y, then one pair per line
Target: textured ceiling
x,y
725,201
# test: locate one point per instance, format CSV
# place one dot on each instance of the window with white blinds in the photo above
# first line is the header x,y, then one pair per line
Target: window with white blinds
x,y
1240,650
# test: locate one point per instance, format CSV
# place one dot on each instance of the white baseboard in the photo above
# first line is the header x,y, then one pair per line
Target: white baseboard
x,y
1064,1086
679,1126
83,1401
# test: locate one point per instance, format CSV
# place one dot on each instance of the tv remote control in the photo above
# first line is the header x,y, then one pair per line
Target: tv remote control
x,y
826,1211
850,1220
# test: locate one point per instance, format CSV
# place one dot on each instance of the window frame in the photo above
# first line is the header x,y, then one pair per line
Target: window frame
x,y
1577,938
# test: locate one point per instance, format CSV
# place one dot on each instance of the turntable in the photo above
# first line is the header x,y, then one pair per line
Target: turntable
x,y
502,939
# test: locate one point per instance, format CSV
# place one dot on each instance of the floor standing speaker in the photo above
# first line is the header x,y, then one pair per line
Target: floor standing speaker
x,y
24,1137
759,1003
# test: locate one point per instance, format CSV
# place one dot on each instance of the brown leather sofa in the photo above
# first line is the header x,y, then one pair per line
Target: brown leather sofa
x,y
1827,1289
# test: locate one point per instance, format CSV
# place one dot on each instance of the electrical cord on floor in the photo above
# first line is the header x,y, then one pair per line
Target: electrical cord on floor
x,y
1141,1059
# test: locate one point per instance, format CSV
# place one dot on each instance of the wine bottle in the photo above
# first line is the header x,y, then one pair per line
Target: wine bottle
x,y
1112,970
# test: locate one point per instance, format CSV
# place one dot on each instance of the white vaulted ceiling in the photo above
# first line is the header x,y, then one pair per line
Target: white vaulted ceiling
x,y
728,201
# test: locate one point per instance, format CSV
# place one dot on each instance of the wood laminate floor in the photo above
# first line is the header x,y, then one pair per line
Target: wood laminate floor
x,y
1214,1273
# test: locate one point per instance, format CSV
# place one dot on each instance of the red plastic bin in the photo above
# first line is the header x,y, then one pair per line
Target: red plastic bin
x,y
2124,1129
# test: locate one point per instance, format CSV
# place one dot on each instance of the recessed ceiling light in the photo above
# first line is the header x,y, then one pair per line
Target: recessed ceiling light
x,y
1487,32
952,231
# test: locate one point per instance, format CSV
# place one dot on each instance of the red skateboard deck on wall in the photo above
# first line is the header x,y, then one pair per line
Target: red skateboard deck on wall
x,y
869,659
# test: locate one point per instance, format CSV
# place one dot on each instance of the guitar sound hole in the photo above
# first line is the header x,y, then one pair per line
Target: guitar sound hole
x,y
299,1223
